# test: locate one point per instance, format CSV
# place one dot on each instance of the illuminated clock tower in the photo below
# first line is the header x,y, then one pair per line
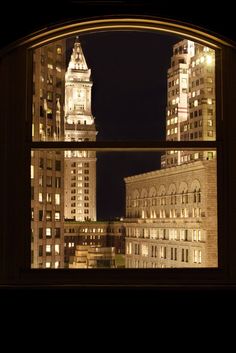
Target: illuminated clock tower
x,y
80,166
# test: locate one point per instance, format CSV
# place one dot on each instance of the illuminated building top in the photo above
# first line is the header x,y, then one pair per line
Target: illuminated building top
x,y
78,90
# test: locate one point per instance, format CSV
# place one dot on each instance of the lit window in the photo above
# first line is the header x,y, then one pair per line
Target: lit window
x,y
209,59
48,249
57,199
57,249
57,216
48,232
199,235
199,256
209,101
59,50
209,122
32,172
144,250
49,197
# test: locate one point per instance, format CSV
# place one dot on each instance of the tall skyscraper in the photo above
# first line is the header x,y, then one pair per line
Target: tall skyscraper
x,y
191,100
47,167
80,166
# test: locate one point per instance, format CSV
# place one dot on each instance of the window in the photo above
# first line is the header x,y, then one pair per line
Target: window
x,y
208,149
48,232
40,233
49,181
57,199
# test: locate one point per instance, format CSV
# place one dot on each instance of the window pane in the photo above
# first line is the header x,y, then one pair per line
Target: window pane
x,y
103,86
124,209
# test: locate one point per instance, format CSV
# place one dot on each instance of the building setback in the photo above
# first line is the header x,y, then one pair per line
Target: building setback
x,y
80,166
94,234
93,257
47,167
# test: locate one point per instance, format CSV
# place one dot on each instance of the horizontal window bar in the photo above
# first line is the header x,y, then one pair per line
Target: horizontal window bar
x,y
129,146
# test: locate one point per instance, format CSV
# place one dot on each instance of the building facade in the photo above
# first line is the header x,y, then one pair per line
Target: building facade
x,y
171,214
95,234
47,168
171,217
190,112
80,166
93,257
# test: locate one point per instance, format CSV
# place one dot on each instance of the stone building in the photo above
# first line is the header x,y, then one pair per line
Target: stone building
x,y
171,217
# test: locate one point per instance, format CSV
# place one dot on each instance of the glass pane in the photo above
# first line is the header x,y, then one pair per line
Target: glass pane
x,y
123,209
124,86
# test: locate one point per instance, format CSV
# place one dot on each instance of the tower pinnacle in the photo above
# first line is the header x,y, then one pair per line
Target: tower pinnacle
x,y
77,60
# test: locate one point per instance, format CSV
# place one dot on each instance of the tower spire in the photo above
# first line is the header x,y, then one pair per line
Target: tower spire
x,y
77,60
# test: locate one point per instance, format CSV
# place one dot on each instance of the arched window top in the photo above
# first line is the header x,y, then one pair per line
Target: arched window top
x,y
162,190
144,193
172,189
195,186
152,192
136,194
183,188
113,23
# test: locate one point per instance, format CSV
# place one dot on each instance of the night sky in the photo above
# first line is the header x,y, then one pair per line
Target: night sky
x,y
129,74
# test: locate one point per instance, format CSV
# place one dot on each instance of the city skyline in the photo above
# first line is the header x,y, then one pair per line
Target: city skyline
x,y
181,109
129,94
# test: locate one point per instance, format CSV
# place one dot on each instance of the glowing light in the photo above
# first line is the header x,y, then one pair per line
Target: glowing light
x,y
209,101
32,172
209,59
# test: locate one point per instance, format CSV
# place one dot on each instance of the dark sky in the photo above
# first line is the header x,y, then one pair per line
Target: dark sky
x,y
129,74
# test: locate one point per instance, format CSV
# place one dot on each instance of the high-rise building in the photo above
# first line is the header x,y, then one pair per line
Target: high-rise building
x,y
80,166
171,214
190,113
47,167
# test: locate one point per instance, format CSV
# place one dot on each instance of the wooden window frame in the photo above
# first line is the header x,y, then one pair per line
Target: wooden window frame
x,y
15,254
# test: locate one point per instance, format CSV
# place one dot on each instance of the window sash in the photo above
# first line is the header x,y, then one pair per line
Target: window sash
x,y
110,277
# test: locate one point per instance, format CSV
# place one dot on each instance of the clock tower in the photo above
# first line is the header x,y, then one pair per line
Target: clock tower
x,y
80,166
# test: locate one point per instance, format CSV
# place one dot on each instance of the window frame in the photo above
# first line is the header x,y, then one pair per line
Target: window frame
x,y
18,271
